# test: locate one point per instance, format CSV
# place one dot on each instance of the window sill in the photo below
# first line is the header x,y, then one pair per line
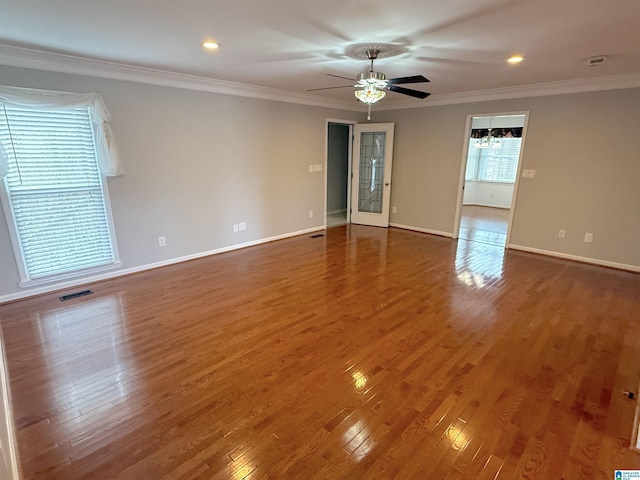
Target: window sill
x,y
490,181
69,276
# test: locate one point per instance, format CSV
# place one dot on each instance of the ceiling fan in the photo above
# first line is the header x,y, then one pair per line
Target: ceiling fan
x,y
370,86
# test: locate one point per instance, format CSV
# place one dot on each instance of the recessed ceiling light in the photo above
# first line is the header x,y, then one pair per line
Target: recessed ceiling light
x,y
515,59
209,45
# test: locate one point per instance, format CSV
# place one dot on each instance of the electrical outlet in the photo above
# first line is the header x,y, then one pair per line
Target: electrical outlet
x,y
242,226
162,241
588,237
310,213
394,209
528,174
235,228
562,233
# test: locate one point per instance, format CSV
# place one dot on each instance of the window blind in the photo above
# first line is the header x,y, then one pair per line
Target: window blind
x,y
55,190
494,164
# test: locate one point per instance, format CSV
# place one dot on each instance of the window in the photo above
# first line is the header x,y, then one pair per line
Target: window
x,y
53,192
494,164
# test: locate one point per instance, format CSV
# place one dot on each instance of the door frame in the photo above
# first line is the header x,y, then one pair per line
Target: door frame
x,y
463,170
350,124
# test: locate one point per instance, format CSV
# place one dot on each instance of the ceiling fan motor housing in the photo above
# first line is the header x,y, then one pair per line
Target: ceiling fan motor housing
x,y
371,79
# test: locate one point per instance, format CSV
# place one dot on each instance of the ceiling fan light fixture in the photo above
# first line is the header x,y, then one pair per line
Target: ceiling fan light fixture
x,y
484,143
370,95
371,86
371,79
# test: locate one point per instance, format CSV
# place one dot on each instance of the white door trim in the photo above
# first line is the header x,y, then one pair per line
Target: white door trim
x,y
463,169
350,123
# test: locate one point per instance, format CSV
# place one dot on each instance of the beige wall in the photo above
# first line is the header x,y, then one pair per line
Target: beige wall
x,y
196,164
199,162
584,147
488,194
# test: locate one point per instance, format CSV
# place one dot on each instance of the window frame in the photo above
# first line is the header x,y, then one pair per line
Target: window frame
x,y
16,241
478,161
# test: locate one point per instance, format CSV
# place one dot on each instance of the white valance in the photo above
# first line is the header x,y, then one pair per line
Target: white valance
x,y
107,153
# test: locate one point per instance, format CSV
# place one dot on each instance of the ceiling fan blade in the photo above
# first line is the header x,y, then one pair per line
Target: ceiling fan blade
x,y
413,79
408,91
339,76
327,88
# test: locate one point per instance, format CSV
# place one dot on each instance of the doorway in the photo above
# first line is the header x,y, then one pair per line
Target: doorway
x,y
358,185
338,172
489,177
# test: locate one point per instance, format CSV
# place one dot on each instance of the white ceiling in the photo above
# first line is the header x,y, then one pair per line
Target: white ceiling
x,y
460,45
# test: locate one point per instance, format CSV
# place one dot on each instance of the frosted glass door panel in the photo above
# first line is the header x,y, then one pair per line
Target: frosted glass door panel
x,y
371,172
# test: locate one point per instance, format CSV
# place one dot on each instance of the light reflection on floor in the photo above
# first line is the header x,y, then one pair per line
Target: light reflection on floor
x,y
74,369
457,434
479,264
241,472
484,224
358,440
480,252
360,380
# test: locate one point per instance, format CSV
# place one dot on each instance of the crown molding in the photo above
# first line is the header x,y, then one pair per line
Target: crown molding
x,y
581,85
61,63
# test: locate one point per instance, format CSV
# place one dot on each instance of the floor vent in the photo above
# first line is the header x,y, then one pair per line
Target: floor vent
x,y
317,235
71,296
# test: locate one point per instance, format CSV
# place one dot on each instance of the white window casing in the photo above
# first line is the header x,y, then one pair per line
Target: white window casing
x,y
55,150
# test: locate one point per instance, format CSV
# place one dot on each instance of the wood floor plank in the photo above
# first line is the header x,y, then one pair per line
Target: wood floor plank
x,y
367,353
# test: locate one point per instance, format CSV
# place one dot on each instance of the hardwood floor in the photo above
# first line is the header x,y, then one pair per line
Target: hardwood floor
x,y
364,354
484,224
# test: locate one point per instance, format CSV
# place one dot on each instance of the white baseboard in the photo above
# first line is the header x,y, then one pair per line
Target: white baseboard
x,y
127,271
422,230
337,212
549,253
485,205
576,258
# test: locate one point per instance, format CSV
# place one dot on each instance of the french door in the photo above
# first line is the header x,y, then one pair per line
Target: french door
x,y
371,186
